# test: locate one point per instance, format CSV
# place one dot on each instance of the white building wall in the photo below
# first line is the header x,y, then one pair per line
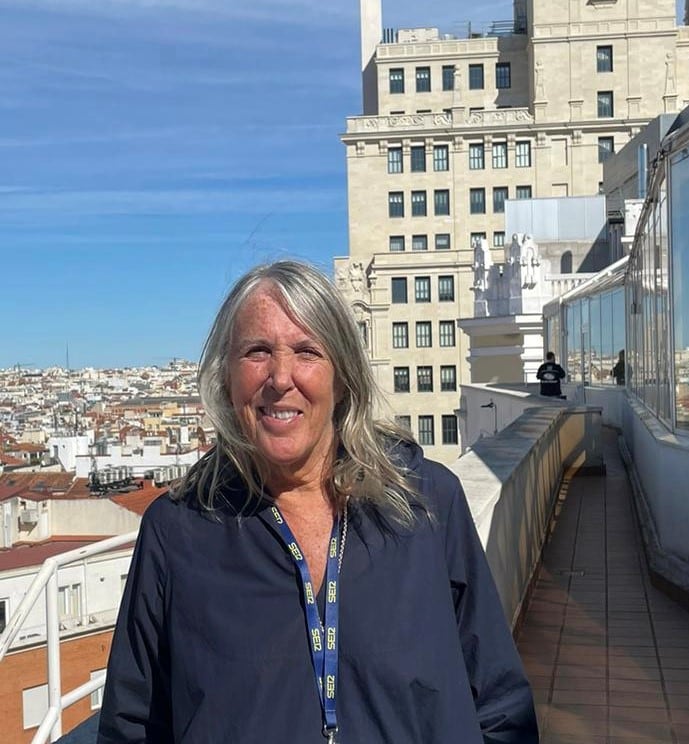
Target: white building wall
x,y
100,580
68,448
140,464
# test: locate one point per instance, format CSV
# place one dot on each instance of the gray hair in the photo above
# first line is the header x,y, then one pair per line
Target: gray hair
x,y
363,469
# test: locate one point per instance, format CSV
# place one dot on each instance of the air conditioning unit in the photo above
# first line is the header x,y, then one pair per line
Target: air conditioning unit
x,y
28,516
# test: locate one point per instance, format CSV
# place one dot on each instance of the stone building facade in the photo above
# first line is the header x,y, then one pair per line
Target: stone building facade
x,y
452,128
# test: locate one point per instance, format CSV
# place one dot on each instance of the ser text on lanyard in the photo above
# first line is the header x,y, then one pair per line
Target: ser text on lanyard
x,y
322,637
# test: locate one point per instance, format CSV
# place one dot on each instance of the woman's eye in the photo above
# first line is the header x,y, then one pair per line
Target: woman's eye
x,y
310,352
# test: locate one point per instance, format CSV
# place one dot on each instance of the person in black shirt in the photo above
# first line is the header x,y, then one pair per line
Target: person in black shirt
x,y
550,373
618,370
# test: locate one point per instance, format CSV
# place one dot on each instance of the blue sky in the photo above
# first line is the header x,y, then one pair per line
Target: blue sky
x,y
151,150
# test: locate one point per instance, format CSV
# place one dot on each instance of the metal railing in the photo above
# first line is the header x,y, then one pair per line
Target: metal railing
x,y
46,581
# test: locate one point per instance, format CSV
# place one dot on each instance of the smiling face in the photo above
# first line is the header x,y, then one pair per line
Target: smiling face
x,y
282,388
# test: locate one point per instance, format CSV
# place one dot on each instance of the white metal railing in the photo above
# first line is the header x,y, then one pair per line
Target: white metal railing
x,y
46,582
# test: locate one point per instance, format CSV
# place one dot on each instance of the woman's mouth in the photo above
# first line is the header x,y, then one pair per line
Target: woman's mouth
x,y
281,414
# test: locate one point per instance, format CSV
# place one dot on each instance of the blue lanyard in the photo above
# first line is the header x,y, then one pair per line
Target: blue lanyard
x,y
322,638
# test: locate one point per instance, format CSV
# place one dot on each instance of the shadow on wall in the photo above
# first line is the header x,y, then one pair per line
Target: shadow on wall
x,y
598,255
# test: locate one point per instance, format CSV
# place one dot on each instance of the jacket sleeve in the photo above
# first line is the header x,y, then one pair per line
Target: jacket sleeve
x,y
501,691
136,701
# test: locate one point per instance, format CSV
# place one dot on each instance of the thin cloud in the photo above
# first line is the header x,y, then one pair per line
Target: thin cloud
x,y
306,13
171,202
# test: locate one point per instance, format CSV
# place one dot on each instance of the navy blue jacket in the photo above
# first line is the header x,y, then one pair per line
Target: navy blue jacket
x,y
211,644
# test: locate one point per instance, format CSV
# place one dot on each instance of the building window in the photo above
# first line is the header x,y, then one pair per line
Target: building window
x,y
424,379
503,75
4,613
523,192
401,379
500,155
399,290
34,705
499,197
476,77
69,602
418,203
448,77
606,107
419,243
477,159
446,289
418,158
423,334
604,59
423,79
396,243
422,289
394,159
395,204
477,201
448,378
499,239
442,242
97,695
441,199
403,421
450,435
476,237
441,160
447,333
606,148
426,427
397,80
522,155
400,335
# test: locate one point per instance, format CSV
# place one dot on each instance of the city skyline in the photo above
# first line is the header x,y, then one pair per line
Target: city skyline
x,y
152,151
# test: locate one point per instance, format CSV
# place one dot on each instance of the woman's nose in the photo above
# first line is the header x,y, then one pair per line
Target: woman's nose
x,y
281,373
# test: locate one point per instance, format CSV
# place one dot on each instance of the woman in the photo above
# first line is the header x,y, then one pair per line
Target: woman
x,y
314,579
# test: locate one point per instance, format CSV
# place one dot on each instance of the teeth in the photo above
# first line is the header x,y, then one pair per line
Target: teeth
x,y
282,415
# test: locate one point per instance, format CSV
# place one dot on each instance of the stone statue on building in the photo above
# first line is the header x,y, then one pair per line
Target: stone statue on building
x,y
357,277
341,276
529,261
482,264
670,80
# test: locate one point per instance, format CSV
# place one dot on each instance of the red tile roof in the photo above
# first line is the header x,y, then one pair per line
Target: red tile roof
x,y
42,486
139,501
24,554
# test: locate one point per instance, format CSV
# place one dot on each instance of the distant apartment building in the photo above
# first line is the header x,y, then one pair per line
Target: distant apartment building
x,y
453,128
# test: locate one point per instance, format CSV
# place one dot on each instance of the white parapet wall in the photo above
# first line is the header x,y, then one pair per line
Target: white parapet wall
x,y
512,481
659,464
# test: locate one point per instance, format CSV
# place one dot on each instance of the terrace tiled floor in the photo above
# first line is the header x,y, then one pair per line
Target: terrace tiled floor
x,y
607,654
